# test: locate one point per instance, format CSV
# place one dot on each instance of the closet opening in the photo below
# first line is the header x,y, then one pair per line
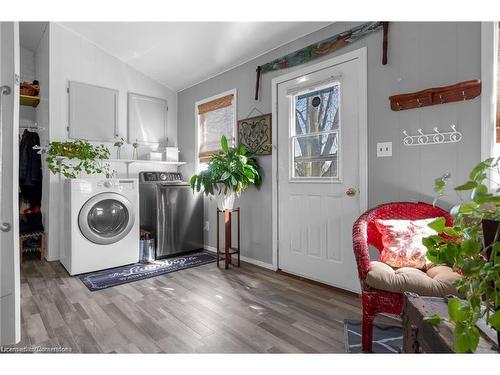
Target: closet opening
x,y
33,133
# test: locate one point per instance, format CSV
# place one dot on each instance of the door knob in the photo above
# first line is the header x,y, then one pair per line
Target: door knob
x,y
351,192
5,227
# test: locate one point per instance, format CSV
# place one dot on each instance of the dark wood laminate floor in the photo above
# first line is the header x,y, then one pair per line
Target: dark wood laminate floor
x,y
200,310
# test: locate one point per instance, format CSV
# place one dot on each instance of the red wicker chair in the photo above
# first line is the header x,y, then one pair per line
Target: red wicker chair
x,y
365,233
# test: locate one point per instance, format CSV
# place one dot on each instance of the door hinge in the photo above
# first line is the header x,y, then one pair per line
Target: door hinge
x,y
67,128
67,90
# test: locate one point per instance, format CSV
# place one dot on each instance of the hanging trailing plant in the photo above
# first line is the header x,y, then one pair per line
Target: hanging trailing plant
x,y
466,247
74,157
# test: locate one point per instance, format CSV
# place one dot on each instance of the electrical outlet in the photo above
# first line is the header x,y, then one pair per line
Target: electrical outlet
x,y
206,226
384,149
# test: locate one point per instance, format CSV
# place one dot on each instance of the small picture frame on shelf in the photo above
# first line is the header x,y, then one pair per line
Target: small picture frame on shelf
x,y
255,133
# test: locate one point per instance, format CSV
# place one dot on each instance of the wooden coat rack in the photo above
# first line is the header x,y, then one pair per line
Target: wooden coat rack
x,y
438,95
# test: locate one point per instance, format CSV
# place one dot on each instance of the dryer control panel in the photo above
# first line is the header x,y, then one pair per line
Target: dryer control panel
x,y
168,177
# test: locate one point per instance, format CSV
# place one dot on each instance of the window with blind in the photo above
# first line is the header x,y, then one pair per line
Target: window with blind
x,y
216,117
498,89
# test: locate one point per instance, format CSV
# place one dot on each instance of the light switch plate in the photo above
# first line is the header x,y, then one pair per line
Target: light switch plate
x,y
384,149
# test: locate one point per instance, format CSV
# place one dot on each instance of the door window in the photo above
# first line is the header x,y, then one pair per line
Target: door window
x,y
315,134
108,218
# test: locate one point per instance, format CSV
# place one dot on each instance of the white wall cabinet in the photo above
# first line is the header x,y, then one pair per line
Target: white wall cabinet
x,y
93,112
147,119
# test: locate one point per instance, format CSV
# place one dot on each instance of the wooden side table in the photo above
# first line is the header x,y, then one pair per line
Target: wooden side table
x,y
229,250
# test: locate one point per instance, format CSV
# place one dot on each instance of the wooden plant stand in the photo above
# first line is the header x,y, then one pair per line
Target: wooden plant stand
x,y
33,235
229,250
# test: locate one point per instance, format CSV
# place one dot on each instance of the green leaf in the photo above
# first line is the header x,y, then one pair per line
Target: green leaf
x,y
456,311
192,181
469,185
488,199
468,207
433,319
479,190
241,149
478,171
471,246
495,320
451,232
439,185
438,224
224,144
466,338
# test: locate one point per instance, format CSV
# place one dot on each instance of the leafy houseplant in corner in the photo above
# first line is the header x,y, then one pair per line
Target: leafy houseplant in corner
x,y
73,157
473,252
229,172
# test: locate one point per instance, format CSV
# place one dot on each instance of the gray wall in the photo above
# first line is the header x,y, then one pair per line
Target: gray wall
x,y
421,55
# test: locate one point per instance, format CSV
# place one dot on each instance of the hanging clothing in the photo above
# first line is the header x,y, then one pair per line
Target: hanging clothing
x,y
30,169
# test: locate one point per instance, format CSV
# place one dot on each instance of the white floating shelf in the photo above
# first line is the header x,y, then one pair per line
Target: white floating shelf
x,y
130,161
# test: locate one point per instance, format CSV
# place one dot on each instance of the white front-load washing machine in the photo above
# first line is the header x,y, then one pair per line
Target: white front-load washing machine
x,y
101,224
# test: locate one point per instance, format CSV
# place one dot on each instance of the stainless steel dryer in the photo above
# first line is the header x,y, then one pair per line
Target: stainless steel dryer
x,y
170,210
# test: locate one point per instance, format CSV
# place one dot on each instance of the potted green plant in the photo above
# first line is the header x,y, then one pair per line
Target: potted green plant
x,y
463,246
118,144
229,172
73,157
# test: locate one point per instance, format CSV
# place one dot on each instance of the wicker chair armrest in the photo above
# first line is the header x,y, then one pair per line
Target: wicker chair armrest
x,y
360,247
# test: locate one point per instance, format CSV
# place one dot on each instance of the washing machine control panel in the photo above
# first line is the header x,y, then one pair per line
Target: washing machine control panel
x,y
117,184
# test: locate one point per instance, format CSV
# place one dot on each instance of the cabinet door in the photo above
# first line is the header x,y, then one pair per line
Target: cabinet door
x,y
147,119
93,112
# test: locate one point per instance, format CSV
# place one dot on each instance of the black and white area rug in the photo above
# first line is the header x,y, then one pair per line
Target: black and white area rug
x,y
386,339
139,271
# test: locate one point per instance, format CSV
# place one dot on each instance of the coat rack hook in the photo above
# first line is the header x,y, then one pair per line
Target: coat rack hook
x,y
437,137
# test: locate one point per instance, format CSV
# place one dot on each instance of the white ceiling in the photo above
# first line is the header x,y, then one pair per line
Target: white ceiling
x,y
30,34
181,54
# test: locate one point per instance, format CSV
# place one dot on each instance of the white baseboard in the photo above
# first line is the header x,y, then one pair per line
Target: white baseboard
x,y
255,262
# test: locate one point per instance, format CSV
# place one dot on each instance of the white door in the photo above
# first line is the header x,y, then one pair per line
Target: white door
x,y
10,318
321,132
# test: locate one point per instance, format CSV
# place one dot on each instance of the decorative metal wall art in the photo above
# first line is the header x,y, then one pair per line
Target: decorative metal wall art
x,y
433,138
324,47
255,134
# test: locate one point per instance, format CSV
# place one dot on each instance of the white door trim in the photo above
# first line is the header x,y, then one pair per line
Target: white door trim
x,y
363,128
489,43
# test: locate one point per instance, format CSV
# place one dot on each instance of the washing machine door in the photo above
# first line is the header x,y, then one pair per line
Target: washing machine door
x,y
106,218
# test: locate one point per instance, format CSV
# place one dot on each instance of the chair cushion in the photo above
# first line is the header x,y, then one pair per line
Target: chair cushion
x,y
437,282
402,241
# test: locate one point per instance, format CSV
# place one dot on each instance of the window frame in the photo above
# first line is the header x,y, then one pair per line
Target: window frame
x,y
489,71
292,136
202,165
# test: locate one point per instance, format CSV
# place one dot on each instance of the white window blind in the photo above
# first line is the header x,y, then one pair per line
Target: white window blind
x,y
215,119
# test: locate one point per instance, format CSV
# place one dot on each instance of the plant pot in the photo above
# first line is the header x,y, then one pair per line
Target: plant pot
x,y
225,200
491,234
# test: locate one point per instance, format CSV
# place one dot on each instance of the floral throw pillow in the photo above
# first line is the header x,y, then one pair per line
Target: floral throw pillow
x,y
402,240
